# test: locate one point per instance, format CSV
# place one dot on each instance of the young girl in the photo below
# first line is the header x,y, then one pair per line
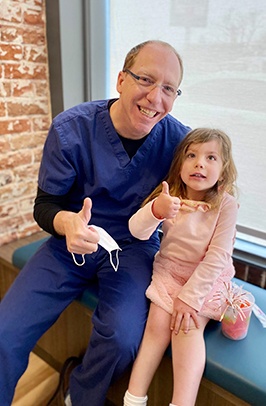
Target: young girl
x,y
198,209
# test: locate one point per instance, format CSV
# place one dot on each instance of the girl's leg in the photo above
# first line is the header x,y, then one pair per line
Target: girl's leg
x,y
188,355
155,341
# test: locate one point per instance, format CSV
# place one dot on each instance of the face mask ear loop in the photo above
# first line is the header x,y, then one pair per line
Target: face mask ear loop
x,y
117,260
74,259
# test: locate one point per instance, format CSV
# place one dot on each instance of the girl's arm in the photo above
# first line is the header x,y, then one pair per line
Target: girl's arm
x,y
217,257
143,223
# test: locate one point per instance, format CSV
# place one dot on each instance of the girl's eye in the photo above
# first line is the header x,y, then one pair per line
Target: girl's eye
x,y
190,155
212,158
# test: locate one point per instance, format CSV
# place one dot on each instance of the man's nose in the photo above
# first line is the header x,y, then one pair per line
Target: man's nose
x,y
154,92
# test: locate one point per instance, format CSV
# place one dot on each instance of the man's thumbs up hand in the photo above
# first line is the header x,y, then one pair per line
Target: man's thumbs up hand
x,y
85,212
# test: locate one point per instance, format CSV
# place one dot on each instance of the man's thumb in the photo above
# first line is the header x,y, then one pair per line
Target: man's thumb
x,y
85,212
165,188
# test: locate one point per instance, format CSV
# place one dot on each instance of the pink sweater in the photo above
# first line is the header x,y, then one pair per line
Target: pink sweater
x,y
203,240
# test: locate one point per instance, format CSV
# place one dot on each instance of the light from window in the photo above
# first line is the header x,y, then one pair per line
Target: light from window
x,y
222,43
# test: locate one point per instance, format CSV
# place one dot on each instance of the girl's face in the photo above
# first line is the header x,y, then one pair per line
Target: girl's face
x,y
202,168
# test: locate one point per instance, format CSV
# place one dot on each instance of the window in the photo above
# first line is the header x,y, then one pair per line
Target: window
x,y
222,44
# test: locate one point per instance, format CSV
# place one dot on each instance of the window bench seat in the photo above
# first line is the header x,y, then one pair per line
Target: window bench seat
x,y
235,372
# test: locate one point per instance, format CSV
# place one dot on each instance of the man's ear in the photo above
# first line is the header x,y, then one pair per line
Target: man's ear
x,y
120,80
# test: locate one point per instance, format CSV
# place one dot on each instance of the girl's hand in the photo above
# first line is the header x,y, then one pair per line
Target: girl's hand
x,y
181,317
165,206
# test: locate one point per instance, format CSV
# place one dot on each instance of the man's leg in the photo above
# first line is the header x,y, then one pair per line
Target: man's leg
x,y
119,322
37,297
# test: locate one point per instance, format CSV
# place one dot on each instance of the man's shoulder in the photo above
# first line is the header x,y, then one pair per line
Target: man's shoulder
x,y
170,122
81,110
172,129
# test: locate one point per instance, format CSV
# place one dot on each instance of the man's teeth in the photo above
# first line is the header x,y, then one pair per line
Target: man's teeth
x,y
148,113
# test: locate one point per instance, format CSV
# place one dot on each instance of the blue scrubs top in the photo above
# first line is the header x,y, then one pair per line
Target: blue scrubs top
x,y
84,157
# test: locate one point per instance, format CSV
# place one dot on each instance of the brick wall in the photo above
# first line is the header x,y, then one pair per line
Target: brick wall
x,y
24,112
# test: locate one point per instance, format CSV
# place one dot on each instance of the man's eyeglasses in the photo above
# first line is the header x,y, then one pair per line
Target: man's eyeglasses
x,y
145,81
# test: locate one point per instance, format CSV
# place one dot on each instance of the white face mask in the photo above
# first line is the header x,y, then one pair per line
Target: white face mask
x,y
108,243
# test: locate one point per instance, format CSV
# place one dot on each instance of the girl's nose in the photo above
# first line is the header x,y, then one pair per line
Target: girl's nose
x,y
199,164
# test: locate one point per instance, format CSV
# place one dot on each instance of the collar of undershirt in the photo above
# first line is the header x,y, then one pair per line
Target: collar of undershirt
x,y
131,146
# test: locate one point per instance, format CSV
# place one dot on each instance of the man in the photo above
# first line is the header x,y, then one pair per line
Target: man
x,y
100,160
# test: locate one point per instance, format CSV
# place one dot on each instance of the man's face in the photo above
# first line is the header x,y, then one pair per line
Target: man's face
x,y
141,107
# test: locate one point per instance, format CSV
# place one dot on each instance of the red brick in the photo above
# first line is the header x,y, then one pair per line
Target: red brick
x,y
4,143
26,108
7,210
27,173
25,70
5,179
23,189
35,54
19,35
31,3
29,229
2,109
14,126
34,16
36,36
42,89
10,33
25,141
15,159
41,124
24,88
36,2
10,52
39,139
5,89
26,205
21,225
11,12
10,223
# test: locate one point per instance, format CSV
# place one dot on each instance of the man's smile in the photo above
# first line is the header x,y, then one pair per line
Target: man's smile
x,y
147,112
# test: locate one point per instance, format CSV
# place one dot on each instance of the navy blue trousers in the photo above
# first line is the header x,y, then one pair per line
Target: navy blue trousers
x,y
47,284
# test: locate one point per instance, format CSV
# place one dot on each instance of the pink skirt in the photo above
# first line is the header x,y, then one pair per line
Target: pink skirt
x,y
169,277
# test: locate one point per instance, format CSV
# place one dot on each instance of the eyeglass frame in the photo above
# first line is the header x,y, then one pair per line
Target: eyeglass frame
x,y
177,92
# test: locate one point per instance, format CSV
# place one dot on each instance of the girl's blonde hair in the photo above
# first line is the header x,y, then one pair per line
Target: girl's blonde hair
x,y
228,174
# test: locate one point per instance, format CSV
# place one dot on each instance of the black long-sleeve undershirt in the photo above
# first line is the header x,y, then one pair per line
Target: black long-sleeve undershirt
x,y
45,208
